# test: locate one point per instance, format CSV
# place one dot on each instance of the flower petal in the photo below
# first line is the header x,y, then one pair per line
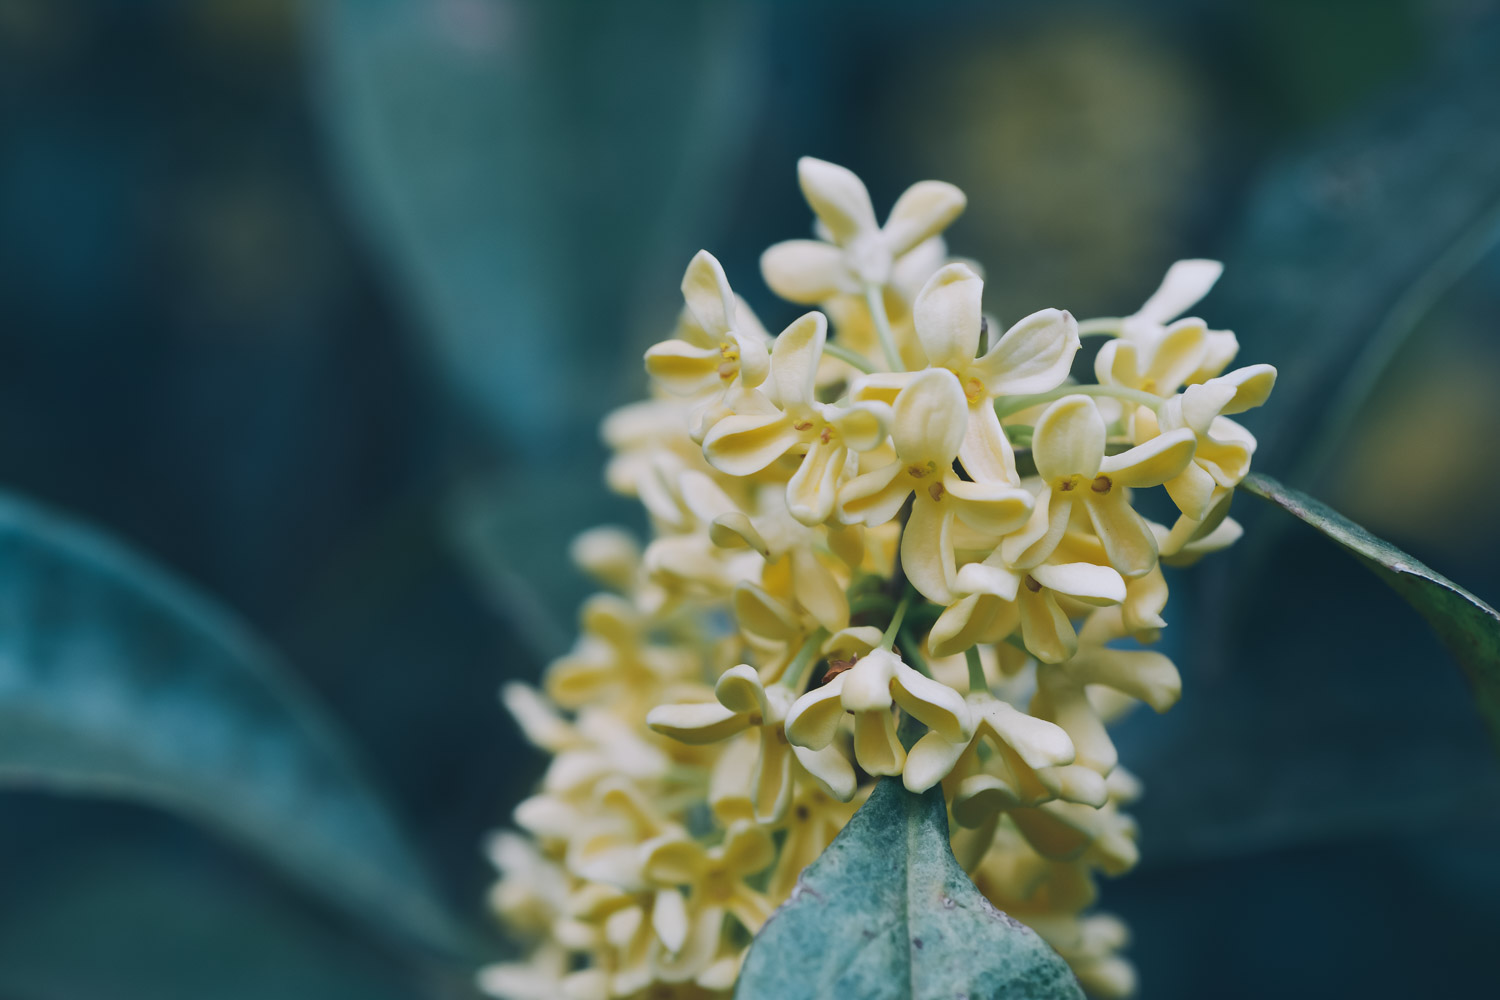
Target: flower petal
x,y
875,744
683,369
1186,282
1118,363
794,360
947,315
1140,673
973,619
705,722
747,849
930,761
773,777
876,496
813,491
1037,742
807,271
708,295
1176,356
934,704
1086,582
1151,463
1069,439
1127,540
991,508
739,689
923,210
813,720
1252,386
931,415
742,445
762,615
830,768
980,796
927,550
818,590
986,452
1035,355
838,197
1193,491
674,860
1060,699
862,425
1045,630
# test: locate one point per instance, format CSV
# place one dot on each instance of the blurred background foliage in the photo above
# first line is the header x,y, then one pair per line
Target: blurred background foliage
x,y
319,305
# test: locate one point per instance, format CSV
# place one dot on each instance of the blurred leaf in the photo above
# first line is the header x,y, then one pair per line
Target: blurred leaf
x,y
1348,244
1468,627
538,174
117,680
526,165
886,913
164,920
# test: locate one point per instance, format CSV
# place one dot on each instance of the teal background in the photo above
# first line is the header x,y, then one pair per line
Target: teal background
x,y
320,305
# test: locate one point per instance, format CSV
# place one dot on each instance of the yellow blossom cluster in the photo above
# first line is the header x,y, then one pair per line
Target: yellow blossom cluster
x,y
922,515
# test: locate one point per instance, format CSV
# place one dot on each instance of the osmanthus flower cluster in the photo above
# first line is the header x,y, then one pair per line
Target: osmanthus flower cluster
x,y
916,514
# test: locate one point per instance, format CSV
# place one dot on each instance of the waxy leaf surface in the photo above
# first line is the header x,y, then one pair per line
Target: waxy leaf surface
x,y
118,681
886,913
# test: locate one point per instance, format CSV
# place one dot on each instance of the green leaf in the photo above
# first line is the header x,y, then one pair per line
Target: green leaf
x,y
886,913
118,681
1467,626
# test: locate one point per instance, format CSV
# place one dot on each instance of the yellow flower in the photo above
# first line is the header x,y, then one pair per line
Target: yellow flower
x,y
1069,446
690,924
614,659
867,690
930,420
721,350
1034,743
744,703
1221,457
1061,695
859,253
791,421
998,597
1033,356
1185,283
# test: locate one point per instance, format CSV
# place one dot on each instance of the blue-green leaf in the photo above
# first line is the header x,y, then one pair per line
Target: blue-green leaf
x,y
887,914
1468,627
116,680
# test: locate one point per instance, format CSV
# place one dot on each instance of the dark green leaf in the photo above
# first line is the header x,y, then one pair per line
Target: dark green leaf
x,y
117,680
1467,626
887,914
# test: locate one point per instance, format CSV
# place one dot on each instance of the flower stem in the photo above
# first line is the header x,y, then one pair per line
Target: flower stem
x,y
1006,405
792,677
1107,325
889,638
876,301
976,671
848,357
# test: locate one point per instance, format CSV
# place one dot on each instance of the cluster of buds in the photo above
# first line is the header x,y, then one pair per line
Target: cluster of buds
x,y
921,516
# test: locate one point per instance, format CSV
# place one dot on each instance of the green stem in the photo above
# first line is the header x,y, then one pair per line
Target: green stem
x,y
848,357
976,671
889,638
1006,405
792,677
1106,325
876,302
